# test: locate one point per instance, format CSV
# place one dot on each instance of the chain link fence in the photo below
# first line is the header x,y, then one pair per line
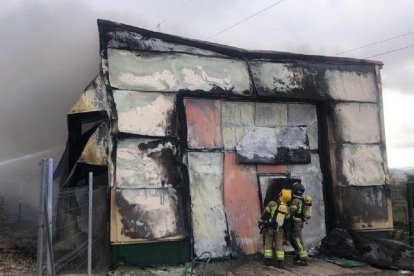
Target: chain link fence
x,y
72,230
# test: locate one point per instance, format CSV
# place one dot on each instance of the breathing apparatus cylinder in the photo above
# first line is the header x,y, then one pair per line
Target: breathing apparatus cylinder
x,y
307,207
281,213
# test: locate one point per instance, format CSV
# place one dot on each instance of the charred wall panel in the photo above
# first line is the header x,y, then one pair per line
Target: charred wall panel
x,y
206,190
364,208
242,205
121,38
94,98
237,114
203,123
232,136
236,118
259,145
151,114
348,84
111,161
357,122
259,132
288,80
279,145
271,114
95,151
304,115
292,145
143,215
147,163
145,71
361,165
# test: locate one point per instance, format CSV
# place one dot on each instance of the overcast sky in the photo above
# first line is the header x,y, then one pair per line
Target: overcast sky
x,y
49,53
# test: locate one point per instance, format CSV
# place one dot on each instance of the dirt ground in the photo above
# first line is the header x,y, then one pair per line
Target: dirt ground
x,y
253,266
17,248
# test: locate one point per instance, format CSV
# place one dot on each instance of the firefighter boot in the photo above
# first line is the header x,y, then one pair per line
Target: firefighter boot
x,y
268,254
280,259
280,264
300,261
267,262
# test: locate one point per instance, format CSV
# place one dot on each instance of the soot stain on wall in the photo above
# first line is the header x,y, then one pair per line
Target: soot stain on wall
x,y
166,157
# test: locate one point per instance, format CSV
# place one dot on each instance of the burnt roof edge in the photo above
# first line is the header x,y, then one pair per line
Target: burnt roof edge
x,y
105,26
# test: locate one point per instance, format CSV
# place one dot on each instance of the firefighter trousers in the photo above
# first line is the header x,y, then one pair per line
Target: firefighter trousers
x,y
274,238
296,238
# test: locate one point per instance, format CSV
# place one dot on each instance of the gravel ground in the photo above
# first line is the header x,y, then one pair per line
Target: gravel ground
x,y
17,248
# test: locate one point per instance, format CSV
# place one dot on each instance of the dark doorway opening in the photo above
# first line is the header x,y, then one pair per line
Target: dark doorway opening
x,y
275,186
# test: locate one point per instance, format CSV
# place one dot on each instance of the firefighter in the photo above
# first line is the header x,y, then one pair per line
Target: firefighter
x,y
300,211
271,222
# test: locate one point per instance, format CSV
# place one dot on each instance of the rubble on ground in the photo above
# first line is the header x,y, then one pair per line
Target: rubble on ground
x,y
378,252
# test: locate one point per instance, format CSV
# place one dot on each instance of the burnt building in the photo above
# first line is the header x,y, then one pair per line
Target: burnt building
x,y
192,137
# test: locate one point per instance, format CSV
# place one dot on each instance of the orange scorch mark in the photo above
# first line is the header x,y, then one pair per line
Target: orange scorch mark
x,y
241,203
203,122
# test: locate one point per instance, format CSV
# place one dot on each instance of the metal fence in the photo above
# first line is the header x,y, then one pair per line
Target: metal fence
x,y
410,202
76,230
400,212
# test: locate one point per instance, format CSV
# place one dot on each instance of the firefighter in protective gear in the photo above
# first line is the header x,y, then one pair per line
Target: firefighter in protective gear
x,y
271,222
300,211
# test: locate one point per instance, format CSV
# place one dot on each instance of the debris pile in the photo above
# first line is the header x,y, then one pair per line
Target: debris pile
x,y
378,252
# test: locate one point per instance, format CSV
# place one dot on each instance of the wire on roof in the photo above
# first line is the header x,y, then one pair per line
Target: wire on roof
x,y
245,19
375,43
392,51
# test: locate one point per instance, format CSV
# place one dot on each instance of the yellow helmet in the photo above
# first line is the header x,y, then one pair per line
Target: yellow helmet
x,y
285,195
